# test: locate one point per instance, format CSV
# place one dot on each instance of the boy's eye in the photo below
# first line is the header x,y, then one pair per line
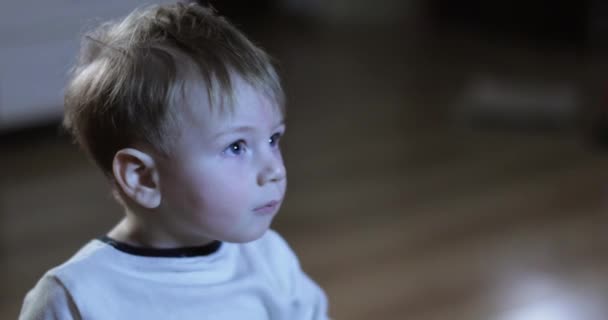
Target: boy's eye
x,y
235,148
274,139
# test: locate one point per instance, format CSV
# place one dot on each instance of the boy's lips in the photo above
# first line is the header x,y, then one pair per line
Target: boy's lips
x,y
268,207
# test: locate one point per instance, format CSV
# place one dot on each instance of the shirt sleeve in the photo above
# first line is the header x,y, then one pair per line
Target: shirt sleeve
x,y
49,300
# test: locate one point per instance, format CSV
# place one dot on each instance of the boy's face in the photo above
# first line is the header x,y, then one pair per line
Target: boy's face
x,y
225,179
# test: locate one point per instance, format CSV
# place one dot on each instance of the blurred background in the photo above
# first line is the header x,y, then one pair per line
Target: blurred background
x,y
447,160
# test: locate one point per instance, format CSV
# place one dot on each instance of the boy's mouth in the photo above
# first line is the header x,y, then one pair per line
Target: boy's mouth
x,y
268,207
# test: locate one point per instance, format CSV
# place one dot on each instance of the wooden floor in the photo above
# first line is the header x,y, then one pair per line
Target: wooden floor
x,y
395,209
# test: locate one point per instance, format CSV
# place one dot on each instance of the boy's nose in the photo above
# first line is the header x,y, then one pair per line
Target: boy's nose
x,y
274,171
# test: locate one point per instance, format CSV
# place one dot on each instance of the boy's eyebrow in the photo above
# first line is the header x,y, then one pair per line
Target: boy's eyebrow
x,y
236,129
243,129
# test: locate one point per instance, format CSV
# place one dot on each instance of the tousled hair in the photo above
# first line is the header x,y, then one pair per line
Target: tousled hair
x,y
132,76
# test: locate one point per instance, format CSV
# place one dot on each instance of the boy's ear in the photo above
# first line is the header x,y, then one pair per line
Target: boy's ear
x,y
136,175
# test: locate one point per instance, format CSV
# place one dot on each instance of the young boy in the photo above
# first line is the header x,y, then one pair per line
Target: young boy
x,y
184,116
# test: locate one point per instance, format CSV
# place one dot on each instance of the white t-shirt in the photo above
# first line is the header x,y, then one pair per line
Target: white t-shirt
x,y
257,280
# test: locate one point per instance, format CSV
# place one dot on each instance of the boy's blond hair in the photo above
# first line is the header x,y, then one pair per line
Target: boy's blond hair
x,y
132,76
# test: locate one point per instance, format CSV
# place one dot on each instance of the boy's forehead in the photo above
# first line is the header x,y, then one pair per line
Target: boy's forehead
x,y
243,105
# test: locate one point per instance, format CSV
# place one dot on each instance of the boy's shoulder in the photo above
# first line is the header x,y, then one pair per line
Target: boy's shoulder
x,y
89,260
91,252
273,255
272,249
271,244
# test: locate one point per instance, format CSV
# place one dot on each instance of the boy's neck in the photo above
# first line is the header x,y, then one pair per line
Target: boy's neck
x,y
132,233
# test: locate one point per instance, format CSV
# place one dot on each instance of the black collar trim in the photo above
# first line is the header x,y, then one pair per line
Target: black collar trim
x,y
184,252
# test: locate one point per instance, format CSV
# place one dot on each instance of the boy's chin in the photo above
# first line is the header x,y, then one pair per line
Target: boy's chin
x,y
249,237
